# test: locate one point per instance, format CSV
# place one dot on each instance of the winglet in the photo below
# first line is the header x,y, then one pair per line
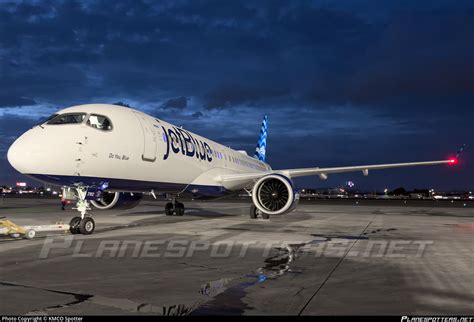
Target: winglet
x,y
460,151
455,159
260,150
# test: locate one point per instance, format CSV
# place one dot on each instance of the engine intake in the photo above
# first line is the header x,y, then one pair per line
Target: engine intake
x,y
117,200
274,195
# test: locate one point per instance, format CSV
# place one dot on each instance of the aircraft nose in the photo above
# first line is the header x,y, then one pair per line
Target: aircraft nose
x,y
15,156
43,151
20,155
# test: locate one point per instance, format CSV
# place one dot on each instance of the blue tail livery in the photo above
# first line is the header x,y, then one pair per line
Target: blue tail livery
x,y
262,141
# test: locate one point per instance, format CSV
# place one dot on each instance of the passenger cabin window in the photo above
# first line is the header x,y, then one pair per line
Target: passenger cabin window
x,y
99,122
71,118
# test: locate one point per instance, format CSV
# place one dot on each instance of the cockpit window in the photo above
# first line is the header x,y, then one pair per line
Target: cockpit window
x,y
72,118
47,119
99,122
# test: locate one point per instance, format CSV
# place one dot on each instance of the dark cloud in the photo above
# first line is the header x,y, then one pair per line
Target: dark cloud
x,y
11,124
335,77
12,101
177,103
235,94
197,115
422,56
245,52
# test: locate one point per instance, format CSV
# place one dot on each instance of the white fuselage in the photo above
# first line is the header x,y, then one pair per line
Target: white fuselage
x,y
140,153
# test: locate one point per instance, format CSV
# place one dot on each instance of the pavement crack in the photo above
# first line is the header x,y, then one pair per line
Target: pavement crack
x,y
334,268
228,271
299,291
78,297
200,266
123,304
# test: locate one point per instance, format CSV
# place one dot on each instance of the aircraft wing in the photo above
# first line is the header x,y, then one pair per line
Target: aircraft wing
x,y
241,180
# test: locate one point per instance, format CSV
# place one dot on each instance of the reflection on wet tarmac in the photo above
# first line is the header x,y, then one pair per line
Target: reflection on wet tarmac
x,y
229,301
215,287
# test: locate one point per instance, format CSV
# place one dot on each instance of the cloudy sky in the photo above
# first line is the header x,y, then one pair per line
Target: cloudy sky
x,y
343,82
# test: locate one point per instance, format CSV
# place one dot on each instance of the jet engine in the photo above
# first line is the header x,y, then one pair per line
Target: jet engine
x,y
117,200
274,194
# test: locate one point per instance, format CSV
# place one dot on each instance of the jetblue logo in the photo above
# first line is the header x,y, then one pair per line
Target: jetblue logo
x,y
181,141
262,141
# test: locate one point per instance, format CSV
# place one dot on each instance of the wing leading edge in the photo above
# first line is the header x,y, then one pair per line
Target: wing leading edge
x,y
236,181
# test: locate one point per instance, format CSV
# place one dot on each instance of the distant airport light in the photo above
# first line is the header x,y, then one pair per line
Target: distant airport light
x,y
21,184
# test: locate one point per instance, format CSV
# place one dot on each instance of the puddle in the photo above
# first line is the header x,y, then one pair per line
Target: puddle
x,y
214,288
229,300
279,264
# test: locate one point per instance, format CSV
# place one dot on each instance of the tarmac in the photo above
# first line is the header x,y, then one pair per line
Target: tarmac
x,y
328,257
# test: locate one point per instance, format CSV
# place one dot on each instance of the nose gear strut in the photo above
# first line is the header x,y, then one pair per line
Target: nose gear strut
x,y
83,224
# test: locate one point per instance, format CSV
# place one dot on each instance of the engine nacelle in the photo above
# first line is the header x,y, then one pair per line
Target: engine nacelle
x,y
274,194
117,200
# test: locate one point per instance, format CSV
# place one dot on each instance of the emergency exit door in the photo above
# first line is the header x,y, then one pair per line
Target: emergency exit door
x,y
149,137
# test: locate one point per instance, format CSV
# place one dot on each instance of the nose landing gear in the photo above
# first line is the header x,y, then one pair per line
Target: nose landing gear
x,y
83,224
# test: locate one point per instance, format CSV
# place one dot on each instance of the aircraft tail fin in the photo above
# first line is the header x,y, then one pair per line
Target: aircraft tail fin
x,y
262,141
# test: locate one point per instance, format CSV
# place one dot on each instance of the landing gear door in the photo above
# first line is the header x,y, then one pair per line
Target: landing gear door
x,y
150,138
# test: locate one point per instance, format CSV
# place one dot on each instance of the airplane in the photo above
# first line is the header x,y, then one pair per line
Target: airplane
x,y
109,156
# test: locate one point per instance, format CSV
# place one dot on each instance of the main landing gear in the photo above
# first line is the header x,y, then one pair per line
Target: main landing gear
x,y
83,224
255,212
174,208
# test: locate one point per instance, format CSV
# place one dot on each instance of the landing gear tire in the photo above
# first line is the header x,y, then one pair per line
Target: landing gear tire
x,y
87,226
253,212
74,225
169,209
179,209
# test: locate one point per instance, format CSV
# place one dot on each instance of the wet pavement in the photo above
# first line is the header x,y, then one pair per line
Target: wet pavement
x,y
374,257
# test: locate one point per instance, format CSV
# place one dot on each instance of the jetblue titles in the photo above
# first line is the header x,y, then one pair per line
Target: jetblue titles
x,y
181,141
